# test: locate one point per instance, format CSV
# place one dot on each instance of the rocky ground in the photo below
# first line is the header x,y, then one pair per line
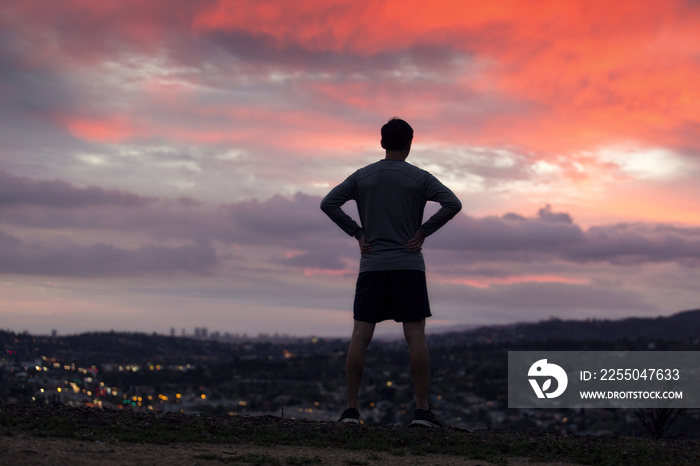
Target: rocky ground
x,y
45,435
23,450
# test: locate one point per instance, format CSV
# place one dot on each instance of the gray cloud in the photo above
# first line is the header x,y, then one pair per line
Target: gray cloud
x,y
527,302
16,190
546,235
278,218
632,244
318,258
65,258
554,236
301,236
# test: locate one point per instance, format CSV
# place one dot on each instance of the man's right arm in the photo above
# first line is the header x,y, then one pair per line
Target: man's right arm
x,y
332,203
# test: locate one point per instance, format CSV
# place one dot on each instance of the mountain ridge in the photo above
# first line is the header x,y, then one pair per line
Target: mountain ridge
x,y
680,326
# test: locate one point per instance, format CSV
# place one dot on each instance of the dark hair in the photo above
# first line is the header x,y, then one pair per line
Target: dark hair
x,y
396,134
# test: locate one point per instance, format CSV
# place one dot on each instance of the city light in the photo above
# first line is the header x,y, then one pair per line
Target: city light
x,y
264,390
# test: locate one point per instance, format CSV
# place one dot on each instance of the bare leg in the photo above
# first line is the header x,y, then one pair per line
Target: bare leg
x,y
420,360
355,361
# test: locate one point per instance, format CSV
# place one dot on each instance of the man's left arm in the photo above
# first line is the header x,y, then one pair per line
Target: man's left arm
x,y
449,207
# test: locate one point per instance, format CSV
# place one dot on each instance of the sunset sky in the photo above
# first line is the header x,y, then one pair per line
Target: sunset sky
x,y
162,162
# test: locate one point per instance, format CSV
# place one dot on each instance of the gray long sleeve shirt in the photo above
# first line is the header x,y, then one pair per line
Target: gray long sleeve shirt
x,y
390,196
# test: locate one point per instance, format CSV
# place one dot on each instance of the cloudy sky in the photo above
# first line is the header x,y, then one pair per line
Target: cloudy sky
x,y
162,161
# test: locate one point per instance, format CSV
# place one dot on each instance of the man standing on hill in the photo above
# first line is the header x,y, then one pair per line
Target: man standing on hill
x,y
391,195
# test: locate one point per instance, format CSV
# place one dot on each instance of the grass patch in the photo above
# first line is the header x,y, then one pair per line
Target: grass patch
x,y
494,446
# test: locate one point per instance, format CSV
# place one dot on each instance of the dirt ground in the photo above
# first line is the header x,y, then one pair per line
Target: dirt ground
x,y
26,450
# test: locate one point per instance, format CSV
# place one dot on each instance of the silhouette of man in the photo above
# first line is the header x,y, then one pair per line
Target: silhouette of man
x,y
391,195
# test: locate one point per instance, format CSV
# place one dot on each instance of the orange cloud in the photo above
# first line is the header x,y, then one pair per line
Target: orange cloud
x,y
603,72
586,74
650,204
554,79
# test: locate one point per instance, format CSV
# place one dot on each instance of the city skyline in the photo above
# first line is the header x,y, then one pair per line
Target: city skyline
x,y
162,163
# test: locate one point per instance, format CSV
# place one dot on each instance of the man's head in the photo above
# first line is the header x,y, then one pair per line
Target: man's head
x,y
396,135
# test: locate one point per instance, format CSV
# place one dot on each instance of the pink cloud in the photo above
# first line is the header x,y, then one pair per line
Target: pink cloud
x,y
113,129
486,282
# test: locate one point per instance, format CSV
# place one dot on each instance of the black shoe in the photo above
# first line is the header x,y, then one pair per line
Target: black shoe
x,y
351,416
425,418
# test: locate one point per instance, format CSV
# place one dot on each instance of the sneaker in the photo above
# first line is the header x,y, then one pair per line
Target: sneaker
x,y
350,415
425,418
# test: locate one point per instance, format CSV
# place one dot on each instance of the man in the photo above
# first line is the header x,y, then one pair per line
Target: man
x,y
391,195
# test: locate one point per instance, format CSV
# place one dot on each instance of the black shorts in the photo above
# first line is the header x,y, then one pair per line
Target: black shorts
x,y
401,295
